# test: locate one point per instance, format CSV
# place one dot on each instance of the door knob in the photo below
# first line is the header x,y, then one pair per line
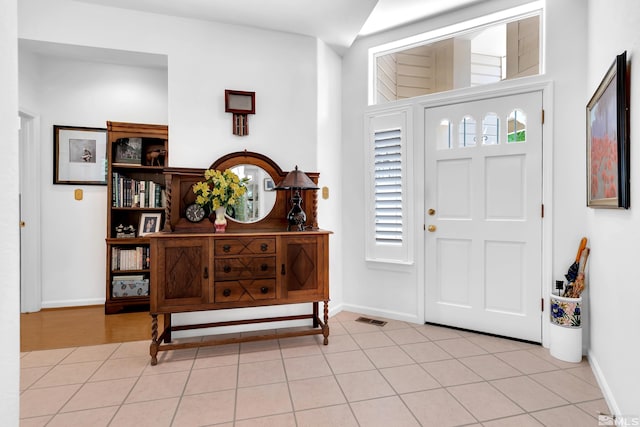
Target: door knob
x,y
23,224
431,211
431,228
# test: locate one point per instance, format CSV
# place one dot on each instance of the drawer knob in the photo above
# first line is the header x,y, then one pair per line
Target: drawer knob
x,y
264,267
227,269
226,292
226,248
264,247
264,289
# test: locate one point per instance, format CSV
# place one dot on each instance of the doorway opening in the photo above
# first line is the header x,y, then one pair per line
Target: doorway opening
x,y
30,230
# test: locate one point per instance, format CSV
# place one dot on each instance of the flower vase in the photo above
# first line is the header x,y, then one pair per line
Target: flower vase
x,y
220,223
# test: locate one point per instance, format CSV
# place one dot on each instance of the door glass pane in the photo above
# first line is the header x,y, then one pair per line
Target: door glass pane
x,y
467,132
517,127
491,129
444,135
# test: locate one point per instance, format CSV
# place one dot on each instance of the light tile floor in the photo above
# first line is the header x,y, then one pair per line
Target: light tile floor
x,y
396,375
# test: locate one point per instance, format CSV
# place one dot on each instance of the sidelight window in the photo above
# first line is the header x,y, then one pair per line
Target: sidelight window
x,y
388,206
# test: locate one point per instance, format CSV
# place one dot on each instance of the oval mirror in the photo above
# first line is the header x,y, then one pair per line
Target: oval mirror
x,y
260,197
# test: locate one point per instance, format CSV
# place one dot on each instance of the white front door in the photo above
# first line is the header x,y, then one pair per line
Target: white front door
x,y
483,195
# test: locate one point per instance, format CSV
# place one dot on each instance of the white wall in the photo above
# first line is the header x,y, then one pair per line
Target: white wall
x,y
9,173
328,152
68,92
396,291
204,59
613,284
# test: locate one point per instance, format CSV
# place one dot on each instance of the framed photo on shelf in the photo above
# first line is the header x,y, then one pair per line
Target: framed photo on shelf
x,y
149,223
79,155
608,140
128,150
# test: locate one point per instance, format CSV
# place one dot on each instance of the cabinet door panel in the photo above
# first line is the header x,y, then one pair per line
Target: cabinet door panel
x,y
183,272
303,268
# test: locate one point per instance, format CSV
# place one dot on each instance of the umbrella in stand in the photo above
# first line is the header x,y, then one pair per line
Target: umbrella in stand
x,y
572,273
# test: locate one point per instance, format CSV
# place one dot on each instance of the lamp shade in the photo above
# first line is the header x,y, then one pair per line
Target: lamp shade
x,y
296,179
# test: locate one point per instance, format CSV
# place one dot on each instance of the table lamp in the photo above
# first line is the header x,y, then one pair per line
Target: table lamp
x,y
296,180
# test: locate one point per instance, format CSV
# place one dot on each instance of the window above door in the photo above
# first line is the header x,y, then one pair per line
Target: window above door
x,y
487,50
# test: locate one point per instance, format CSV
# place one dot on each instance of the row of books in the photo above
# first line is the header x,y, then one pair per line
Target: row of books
x,y
128,192
137,258
129,286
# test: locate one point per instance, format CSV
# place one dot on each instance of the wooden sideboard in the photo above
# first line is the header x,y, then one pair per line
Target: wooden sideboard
x,y
195,271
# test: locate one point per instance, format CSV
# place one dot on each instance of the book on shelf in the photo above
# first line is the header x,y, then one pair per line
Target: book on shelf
x,y
137,258
128,192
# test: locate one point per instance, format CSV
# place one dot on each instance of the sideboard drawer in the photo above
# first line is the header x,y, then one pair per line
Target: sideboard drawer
x,y
244,290
244,267
245,246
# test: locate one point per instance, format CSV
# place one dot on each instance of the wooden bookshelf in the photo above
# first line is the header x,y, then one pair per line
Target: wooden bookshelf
x,y
137,155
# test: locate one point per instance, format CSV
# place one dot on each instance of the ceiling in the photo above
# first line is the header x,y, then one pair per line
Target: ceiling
x,y
336,22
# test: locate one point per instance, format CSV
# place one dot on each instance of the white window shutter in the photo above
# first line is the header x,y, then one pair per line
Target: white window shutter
x,y
388,205
388,186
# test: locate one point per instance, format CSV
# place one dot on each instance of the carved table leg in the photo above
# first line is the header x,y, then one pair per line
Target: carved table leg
x,y
153,349
325,330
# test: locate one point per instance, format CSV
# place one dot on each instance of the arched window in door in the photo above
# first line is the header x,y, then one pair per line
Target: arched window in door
x,y
467,132
491,129
516,127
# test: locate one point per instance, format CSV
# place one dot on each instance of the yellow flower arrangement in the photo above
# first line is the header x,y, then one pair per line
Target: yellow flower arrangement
x,y
219,189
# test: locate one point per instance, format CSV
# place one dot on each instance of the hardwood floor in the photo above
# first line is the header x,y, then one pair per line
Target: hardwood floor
x,y
80,326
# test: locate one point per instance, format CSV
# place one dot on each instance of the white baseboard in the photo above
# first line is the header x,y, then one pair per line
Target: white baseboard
x,y
602,382
72,303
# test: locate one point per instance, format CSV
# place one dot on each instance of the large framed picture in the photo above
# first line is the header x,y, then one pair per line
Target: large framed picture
x,y
149,223
608,140
79,155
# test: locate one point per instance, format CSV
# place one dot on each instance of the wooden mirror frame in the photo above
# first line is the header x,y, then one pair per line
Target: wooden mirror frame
x,y
179,196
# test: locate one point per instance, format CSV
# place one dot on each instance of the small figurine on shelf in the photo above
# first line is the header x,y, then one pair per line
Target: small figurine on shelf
x,y
127,232
155,155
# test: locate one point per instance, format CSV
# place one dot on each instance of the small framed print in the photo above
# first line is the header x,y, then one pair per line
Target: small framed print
x,y
79,155
149,223
239,102
128,150
268,184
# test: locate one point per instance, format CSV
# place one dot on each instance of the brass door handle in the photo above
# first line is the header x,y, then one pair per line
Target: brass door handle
x,y
431,212
23,224
431,228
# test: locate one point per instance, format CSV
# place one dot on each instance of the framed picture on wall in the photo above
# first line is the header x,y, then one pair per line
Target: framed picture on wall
x,y
608,140
269,185
79,155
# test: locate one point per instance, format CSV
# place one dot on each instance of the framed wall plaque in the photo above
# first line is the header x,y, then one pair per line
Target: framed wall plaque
x,y
240,104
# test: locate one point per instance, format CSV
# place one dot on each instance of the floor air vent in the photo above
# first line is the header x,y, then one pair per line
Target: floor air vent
x,y
371,321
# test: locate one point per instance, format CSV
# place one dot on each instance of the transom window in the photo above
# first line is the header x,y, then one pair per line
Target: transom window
x,y
471,54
